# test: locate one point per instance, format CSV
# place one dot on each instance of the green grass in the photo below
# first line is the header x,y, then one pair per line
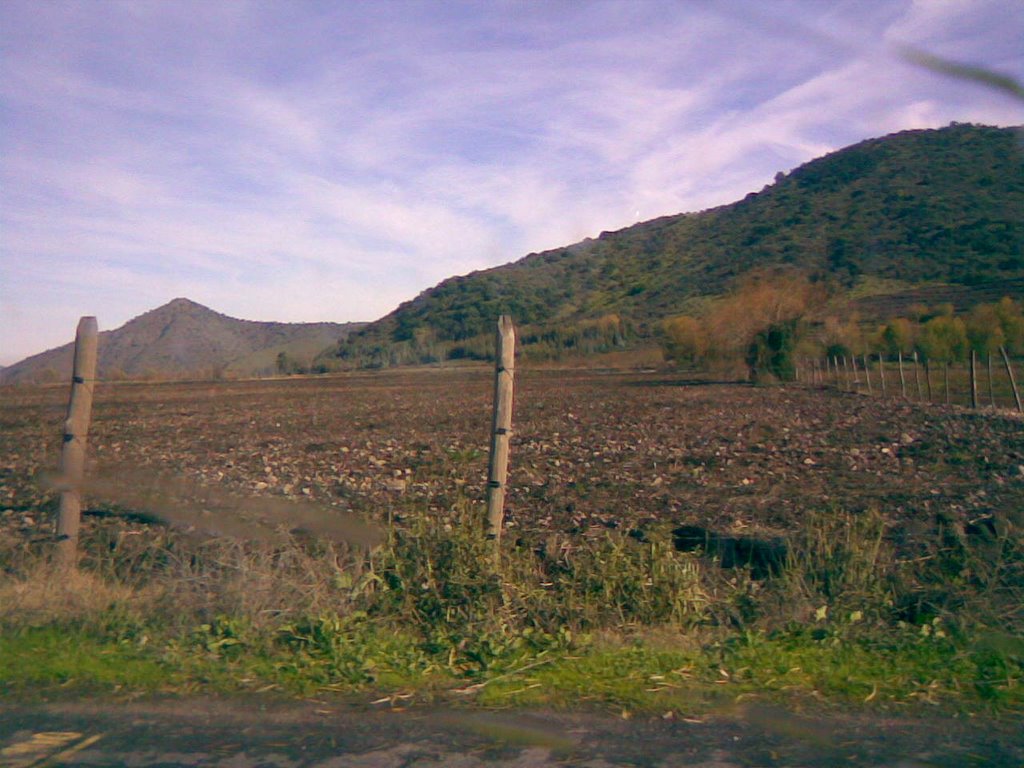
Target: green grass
x,y
636,675
54,656
607,622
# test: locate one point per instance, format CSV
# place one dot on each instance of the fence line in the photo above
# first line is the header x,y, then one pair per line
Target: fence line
x,y
960,384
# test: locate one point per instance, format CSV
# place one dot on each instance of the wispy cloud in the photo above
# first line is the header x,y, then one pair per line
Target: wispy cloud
x,y
303,161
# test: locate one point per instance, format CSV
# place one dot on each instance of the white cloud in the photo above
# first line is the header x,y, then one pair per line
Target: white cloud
x,y
306,161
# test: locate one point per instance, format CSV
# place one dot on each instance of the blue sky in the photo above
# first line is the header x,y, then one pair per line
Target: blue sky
x,y
301,161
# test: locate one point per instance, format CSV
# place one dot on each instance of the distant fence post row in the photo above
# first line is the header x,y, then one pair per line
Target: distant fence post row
x,y
959,385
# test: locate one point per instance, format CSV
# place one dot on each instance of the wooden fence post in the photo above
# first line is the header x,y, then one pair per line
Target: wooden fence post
x,y
1013,382
867,373
974,380
991,386
881,371
76,431
497,473
928,377
903,381
917,377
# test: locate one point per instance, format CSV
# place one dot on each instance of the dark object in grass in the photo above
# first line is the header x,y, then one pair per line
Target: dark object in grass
x,y
764,557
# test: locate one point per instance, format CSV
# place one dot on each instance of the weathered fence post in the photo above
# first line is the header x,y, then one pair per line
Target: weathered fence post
x,y
867,373
917,377
1013,382
903,381
928,377
974,380
881,371
76,431
991,386
497,472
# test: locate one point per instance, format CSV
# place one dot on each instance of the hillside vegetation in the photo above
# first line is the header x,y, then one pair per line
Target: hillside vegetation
x,y
918,208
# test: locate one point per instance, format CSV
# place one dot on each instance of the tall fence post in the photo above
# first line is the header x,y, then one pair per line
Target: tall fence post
x,y
917,378
903,380
991,386
974,380
76,431
1013,382
867,373
881,371
497,473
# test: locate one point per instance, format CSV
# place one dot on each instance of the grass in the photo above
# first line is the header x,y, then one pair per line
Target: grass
x,y
606,621
84,659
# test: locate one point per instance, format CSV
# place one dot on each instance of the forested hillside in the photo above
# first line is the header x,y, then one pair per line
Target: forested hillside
x,y
917,208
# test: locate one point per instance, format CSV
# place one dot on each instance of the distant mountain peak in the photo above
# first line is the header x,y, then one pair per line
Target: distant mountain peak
x,y
183,339
183,303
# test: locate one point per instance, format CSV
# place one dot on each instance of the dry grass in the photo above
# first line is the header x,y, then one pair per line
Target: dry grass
x,y
42,595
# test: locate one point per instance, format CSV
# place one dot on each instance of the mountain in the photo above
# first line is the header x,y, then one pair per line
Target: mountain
x,y
919,208
183,339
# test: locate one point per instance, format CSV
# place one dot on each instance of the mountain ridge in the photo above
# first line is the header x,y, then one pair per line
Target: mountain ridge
x,y
184,339
915,215
931,206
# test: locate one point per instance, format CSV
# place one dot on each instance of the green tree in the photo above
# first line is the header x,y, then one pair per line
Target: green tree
x,y
287,365
771,352
985,330
1011,320
897,336
943,339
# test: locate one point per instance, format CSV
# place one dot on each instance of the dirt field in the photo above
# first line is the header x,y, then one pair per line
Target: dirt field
x,y
590,451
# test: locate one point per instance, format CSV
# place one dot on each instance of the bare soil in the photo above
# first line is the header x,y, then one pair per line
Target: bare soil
x,y
218,732
591,451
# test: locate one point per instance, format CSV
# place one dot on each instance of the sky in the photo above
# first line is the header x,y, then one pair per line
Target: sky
x,y
307,161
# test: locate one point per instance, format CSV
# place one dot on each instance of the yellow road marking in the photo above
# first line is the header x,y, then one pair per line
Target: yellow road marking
x,y
44,747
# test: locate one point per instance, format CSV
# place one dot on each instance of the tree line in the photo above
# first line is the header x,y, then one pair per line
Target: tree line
x,y
771,319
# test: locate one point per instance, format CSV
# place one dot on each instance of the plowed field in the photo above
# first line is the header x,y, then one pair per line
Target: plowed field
x,y
590,451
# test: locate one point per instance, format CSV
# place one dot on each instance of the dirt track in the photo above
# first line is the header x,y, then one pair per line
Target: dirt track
x,y
324,735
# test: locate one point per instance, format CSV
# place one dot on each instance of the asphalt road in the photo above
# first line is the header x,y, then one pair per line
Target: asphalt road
x,y
237,734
